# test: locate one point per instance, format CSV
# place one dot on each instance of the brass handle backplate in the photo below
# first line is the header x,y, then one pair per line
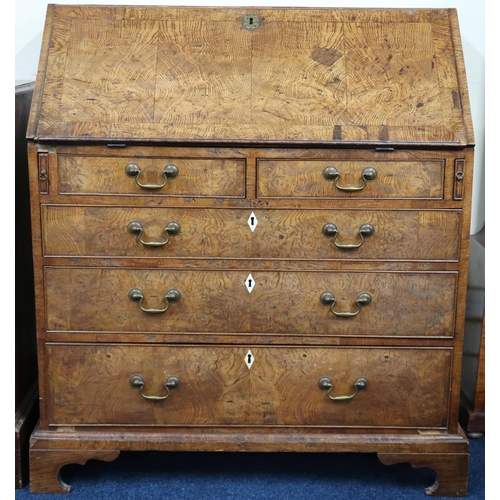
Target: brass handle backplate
x,y
325,384
169,172
136,295
362,300
365,231
171,229
137,382
367,175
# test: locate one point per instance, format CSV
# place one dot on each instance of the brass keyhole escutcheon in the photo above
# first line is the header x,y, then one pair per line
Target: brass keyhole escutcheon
x,y
251,21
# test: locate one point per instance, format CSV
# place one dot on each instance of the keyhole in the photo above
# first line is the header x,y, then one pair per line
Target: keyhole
x,y
249,283
252,222
251,21
249,359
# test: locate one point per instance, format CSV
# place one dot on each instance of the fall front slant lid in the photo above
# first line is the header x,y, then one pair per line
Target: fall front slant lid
x,y
251,76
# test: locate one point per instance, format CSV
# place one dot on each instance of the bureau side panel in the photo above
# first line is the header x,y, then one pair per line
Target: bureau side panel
x,y
34,160
468,168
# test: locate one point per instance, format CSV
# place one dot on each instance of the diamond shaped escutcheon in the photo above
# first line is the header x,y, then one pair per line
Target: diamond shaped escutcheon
x,y
252,222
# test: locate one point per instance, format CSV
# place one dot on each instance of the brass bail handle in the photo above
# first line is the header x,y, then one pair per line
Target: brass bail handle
x,y
136,295
367,175
330,231
135,228
325,384
137,382
362,300
133,170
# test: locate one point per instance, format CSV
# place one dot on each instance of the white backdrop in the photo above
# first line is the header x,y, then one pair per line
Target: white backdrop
x,y
30,18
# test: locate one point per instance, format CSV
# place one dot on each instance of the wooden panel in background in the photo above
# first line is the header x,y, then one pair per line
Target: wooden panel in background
x,y
26,377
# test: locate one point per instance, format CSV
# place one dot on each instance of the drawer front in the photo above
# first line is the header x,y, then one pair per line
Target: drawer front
x,y
195,177
286,303
90,384
346,179
292,234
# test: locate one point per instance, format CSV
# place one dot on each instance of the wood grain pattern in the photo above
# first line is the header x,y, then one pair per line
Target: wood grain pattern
x,y
313,77
298,75
123,61
387,65
461,74
106,175
90,385
286,303
395,179
290,234
196,92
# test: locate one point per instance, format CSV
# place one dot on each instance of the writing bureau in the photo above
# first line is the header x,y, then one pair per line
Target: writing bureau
x,y
250,233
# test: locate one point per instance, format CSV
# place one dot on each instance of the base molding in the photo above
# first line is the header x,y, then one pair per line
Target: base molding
x,y
447,454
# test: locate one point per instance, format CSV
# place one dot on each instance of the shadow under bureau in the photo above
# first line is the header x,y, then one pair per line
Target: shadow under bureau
x,y
250,233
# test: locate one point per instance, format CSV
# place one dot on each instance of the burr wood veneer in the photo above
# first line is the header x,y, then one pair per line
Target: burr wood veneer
x,y
250,233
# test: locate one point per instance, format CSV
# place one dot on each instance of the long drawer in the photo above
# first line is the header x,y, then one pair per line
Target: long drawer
x,y
430,235
390,387
315,303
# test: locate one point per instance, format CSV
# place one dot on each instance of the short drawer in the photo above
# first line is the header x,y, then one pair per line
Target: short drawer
x,y
285,303
422,179
217,386
160,176
427,235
